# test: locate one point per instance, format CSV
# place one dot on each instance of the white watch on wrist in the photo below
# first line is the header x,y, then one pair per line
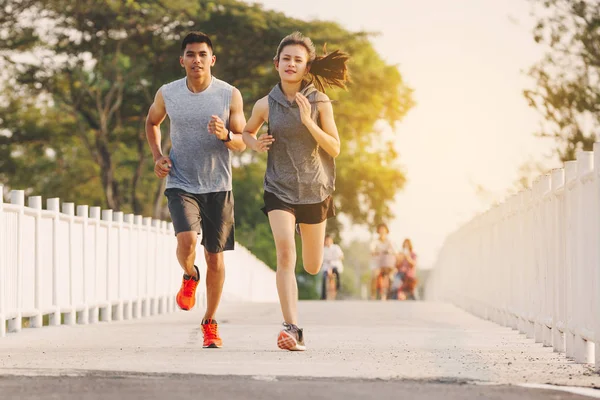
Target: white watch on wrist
x,y
229,137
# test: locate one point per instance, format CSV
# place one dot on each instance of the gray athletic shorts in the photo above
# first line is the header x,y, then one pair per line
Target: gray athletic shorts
x,y
211,212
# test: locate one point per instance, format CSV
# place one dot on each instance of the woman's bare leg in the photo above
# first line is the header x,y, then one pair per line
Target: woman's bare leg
x,y
283,226
313,237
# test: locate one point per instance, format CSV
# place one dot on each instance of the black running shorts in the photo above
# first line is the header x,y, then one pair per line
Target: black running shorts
x,y
210,213
304,213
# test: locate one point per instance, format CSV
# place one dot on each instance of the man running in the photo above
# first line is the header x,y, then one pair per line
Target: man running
x,y
206,122
332,264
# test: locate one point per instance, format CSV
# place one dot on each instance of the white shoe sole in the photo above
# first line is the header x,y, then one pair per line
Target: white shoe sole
x,y
285,341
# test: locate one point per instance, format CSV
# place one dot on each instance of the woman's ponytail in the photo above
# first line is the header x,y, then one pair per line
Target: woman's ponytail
x,y
330,70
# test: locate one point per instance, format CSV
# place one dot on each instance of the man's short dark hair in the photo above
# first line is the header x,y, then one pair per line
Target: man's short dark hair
x,y
196,37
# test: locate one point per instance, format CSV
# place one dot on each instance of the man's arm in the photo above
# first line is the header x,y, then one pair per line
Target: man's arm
x,y
237,121
156,115
236,124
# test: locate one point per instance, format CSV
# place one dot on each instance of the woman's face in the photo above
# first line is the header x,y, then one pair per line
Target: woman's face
x,y
293,63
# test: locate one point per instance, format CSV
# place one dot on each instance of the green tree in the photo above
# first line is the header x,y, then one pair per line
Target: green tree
x,y
80,77
567,91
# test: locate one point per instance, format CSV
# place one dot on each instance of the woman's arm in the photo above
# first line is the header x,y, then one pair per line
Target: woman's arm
x,y
411,260
260,114
327,137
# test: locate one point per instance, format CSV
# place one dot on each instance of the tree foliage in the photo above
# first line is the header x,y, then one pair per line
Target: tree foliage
x,y
567,91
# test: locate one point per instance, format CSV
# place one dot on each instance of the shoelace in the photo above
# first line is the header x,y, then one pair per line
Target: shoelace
x,y
211,329
293,329
290,327
188,287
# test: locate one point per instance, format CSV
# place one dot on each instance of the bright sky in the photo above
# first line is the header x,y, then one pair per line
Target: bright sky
x,y
466,61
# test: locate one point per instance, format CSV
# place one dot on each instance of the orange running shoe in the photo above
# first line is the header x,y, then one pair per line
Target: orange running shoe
x,y
186,298
210,329
291,338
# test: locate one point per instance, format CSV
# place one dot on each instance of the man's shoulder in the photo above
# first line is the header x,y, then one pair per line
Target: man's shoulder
x,y
222,85
168,87
174,83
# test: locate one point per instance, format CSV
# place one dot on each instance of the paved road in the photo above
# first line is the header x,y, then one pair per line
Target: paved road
x,y
134,387
355,349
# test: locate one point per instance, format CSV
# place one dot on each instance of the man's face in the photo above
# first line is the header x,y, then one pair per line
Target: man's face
x,y
197,59
328,241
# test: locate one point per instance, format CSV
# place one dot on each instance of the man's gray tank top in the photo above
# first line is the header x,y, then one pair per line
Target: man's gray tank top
x,y
201,161
299,171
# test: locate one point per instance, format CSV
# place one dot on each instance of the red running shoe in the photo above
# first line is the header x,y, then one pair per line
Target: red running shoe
x,y
210,329
186,298
291,338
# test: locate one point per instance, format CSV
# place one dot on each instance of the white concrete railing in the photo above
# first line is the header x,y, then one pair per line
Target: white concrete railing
x,y
533,262
100,265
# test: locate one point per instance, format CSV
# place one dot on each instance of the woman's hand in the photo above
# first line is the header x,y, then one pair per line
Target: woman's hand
x,y
305,109
263,143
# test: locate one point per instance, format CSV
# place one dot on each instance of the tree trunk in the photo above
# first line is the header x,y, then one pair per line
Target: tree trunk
x,y
141,148
109,185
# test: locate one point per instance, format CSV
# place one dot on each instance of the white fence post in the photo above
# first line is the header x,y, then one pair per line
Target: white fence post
x,y
70,316
172,306
35,202
570,254
106,309
139,299
17,197
510,270
536,243
582,273
162,268
84,316
596,266
94,309
128,268
118,302
521,282
146,302
2,265
53,205
531,302
546,260
155,252
558,265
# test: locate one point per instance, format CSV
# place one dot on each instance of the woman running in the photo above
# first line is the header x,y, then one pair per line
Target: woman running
x,y
408,268
302,142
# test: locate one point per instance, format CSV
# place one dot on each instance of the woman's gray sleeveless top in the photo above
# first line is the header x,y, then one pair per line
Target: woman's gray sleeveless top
x,y
299,171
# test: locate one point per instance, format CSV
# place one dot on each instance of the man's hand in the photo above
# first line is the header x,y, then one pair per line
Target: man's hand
x,y
162,166
216,127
